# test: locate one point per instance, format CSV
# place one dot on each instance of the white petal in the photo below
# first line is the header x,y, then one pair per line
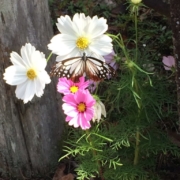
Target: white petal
x,y
38,61
103,110
97,56
39,87
73,122
15,75
25,91
79,23
98,111
44,77
96,27
26,52
102,45
17,60
73,53
65,25
62,44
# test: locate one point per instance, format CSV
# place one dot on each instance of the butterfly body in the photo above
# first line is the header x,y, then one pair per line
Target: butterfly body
x,y
75,67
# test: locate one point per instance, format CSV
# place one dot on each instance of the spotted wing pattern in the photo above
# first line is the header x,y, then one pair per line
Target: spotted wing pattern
x,y
75,67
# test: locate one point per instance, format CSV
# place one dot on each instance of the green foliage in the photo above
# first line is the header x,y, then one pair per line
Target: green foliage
x,y
91,8
140,103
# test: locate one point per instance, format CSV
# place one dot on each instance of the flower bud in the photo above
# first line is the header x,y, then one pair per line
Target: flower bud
x,y
136,1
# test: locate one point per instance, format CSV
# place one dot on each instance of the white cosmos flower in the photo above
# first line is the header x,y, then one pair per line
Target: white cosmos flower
x,y
99,109
27,73
81,34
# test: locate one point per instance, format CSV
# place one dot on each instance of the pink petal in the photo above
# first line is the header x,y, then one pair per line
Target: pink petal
x,y
89,113
169,62
68,118
64,85
74,117
74,122
84,124
69,98
80,96
82,83
69,110
90,101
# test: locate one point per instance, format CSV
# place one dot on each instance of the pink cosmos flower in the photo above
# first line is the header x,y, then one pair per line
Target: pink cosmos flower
x,y
169,62
67,86
79,109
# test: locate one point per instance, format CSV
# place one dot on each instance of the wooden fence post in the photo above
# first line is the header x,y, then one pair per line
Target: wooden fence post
x,y
175,23
30,133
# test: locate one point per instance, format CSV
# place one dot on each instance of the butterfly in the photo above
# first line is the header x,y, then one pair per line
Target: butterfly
x,y
75,67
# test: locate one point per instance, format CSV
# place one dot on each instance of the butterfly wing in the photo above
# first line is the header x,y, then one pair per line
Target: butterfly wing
x,y
72,68
97,69
75,67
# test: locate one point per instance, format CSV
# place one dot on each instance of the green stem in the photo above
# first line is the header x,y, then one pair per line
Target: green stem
x,y
136,154
136,30
49,57
119,40
94,152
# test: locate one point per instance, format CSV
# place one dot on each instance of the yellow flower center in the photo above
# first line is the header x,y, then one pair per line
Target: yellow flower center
x,y
74,89
31,74
81,107
82,43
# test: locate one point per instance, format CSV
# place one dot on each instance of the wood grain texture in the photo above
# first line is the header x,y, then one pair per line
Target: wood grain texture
x,y
175,24
30,133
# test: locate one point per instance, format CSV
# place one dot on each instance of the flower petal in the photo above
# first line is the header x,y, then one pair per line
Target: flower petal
x,y
26,52
96,27
18,74
15,75
17,60
25,91
70,108
93,29
62,44
169,62
65,25
74,122
102,45
83,122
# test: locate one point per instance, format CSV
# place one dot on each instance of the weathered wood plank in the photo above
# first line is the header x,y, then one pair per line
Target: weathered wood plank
x,y
30,133
175,23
